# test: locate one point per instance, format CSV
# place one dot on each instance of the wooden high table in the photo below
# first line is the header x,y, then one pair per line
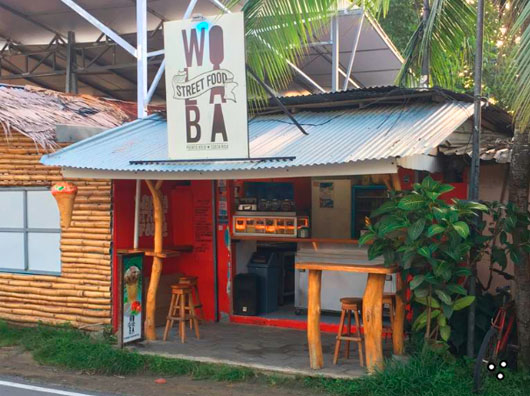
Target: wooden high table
x,y
372,311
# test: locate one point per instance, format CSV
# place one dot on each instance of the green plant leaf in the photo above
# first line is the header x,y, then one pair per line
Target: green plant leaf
x,y
423,300
456,289
443,270
515,256
445,188
420,322
421,293
462,229
432,195
445,332
386,207
416,229
439,214
424,251
406,259
435,229
367,237
499,256
444,297
463,271
411,202
429,184
463,302
416,281
447,310
389,224
477,206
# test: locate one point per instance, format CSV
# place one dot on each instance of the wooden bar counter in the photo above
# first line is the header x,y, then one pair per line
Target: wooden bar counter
x,y
372,311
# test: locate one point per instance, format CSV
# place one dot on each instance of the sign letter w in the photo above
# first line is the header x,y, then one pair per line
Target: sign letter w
x,y
193,46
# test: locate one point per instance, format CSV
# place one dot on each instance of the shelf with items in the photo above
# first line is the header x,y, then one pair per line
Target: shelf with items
x,y
173,251
273,238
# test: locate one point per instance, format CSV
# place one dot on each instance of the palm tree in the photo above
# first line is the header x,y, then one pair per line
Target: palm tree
x,y
519,98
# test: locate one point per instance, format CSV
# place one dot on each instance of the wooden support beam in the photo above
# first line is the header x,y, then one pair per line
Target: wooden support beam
x,y
313,320
150,329
373,321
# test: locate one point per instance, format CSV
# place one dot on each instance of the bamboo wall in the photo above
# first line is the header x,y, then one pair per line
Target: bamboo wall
x,y
82,294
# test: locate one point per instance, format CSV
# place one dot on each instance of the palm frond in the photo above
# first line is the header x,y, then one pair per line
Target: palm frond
x,y
277,33
448,37
518,81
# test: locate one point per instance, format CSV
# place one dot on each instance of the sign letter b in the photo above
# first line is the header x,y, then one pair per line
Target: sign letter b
x,y
193,124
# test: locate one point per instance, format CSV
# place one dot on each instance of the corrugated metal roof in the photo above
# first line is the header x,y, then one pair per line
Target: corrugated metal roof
x,y
335,137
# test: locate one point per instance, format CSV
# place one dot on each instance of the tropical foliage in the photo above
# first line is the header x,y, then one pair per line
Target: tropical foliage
x,y
518,84
276,35
436,243
430,240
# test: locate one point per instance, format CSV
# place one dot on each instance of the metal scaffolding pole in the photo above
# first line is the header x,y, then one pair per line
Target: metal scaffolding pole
x,y
141,56
335,51
71,76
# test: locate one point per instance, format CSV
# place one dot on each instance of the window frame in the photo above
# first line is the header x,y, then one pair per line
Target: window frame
x,y
26,230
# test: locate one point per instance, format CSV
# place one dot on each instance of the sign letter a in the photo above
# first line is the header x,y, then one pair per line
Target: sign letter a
x,y
193,46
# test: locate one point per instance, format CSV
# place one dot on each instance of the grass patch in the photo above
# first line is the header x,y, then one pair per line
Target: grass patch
x,y
424,373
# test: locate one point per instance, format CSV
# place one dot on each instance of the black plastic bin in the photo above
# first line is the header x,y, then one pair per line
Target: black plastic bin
x,y
267,267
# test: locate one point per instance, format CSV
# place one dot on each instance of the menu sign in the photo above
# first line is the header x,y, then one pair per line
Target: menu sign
x,y
206,90
132,285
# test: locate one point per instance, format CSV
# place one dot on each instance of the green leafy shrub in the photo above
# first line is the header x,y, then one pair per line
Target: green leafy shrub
x,y
430,240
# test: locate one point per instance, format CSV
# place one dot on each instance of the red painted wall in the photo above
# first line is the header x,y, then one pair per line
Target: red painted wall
x,y
188,222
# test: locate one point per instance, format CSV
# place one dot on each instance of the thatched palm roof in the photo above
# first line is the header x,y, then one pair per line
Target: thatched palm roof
x,y
35,112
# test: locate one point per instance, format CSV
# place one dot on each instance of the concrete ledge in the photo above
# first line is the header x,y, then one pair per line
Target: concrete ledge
x,y
256,366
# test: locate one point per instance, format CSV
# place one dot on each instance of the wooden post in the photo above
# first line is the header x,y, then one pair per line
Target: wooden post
x,y
373,321
316,360
399,319
150,329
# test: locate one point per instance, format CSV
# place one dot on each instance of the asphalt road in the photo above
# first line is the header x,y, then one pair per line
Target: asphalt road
x,y
9,387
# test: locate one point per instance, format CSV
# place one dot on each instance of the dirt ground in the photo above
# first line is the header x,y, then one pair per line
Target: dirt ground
x,y
14,362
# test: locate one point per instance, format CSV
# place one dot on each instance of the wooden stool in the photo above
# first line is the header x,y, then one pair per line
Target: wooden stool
x,y
181,310
349,305
193,283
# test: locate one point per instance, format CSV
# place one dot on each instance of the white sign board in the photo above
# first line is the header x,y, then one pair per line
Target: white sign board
x,y
206,89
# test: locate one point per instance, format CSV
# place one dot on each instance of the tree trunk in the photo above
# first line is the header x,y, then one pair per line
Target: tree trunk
x,y
154,280
518,184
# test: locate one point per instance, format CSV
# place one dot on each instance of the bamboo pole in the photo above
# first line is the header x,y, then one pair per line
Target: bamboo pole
x,y
58,299
150,330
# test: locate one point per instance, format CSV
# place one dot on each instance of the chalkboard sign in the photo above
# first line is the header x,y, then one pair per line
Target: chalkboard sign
x,y
132,301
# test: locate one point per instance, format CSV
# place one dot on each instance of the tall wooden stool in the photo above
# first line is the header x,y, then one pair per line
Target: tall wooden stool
x,y
193,283
349,305
181,310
